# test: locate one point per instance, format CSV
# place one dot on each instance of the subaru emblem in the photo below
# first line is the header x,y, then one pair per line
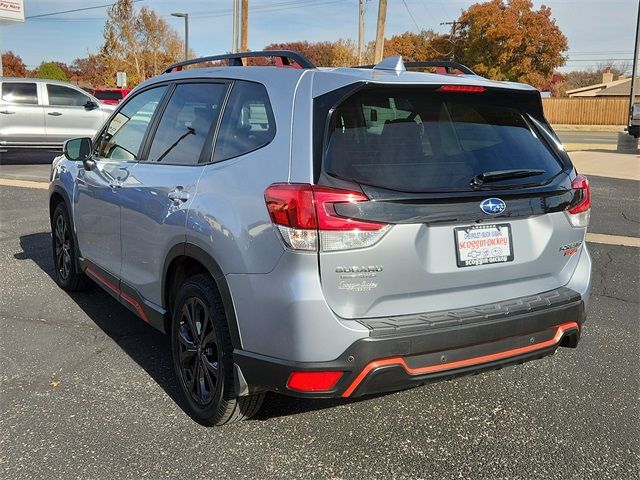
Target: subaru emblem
x,y
493,206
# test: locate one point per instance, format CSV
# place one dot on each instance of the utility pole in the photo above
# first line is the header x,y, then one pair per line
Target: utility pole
x,y
363,7
244,27
236,8
452,35
382,17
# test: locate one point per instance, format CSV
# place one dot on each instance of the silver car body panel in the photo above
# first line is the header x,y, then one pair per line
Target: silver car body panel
x,y
152,223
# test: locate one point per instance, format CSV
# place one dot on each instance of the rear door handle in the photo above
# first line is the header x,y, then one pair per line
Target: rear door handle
x,y
179,195
7,112
54,114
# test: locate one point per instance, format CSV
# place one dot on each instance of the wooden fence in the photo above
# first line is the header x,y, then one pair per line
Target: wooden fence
x,y
587,111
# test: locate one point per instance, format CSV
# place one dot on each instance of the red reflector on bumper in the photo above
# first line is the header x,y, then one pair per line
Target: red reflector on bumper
x,y
313,381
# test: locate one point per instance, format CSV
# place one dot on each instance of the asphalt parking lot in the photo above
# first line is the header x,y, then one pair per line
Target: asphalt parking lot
x,y
86,389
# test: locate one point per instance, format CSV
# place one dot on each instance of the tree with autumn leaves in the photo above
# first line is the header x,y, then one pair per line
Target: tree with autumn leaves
x,y
139,43
509,40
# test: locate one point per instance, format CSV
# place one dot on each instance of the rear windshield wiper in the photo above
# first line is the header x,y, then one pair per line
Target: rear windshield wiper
x,y
496,176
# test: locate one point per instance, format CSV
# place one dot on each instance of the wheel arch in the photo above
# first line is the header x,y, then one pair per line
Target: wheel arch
x,y
57,195
184,260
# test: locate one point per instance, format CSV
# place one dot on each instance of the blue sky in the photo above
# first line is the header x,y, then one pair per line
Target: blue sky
x,y
597,29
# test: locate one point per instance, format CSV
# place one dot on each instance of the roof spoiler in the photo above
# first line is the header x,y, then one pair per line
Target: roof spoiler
x,y
235,59
396,64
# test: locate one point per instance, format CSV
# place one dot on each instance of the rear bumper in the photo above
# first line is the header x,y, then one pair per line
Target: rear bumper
x,y
401,357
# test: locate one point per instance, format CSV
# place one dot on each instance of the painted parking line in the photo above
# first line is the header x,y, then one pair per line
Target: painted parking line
x,y
10,182
613,239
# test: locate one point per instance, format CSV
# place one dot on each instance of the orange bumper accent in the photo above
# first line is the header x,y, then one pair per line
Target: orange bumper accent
x,y
561,330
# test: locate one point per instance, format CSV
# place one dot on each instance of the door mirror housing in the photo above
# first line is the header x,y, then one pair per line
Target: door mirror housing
x,y
90,105
79,150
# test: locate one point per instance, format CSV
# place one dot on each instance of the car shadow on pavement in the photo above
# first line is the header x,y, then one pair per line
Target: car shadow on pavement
x,y
149,348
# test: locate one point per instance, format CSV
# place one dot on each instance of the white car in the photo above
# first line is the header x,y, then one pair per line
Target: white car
x,y
39,113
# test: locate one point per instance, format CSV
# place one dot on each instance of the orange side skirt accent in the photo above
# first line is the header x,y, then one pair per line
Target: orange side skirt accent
x,y
115,289
561,330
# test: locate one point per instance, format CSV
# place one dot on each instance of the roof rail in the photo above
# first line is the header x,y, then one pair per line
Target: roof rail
x,y
235,59
448,66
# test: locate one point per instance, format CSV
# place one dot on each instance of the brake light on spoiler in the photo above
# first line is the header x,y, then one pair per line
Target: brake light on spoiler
x,y
306,218
461,89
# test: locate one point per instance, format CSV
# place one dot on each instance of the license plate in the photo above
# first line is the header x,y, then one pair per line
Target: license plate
x,y
483,244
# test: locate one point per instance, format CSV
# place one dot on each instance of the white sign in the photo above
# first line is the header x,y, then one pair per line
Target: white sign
x,y
11,10
121,78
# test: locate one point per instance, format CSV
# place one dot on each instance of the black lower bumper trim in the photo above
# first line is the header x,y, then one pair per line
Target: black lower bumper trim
x,y
417,350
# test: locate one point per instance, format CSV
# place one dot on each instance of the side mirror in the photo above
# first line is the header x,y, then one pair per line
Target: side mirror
x,y
90,105
79,150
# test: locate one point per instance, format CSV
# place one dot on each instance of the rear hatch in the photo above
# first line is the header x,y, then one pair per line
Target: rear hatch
x,y
460,195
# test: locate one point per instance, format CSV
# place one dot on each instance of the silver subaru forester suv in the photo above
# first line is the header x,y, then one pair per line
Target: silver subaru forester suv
x,y
327,232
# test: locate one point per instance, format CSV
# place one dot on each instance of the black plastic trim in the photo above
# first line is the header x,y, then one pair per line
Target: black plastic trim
x,y
193,251
385,326
392,378
263,373
235,59
150,312
459,209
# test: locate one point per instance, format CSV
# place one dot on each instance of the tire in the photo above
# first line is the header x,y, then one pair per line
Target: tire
x,y
65,254
200,337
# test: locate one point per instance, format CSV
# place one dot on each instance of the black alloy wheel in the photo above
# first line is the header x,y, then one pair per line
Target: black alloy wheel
x,y
199,352
64,251
203,356
62,247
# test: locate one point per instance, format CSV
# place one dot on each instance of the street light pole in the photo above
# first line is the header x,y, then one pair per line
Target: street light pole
x,y
186,32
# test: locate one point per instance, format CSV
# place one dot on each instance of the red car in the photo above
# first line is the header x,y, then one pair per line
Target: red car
x,y
111,96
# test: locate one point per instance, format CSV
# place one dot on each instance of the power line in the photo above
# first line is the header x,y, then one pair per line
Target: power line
x,y
411,15
271,7
75,10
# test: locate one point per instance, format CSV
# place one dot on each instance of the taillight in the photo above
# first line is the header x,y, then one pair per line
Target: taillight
x,y
461,88
580,213
305,216
313,381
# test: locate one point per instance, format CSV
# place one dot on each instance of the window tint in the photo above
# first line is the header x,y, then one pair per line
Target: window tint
x,y
65,96
187,123
108,95
123,136
422,140
15,92
248,122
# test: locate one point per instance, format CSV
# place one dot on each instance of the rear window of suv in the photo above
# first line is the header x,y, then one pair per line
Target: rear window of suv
x,y
421,140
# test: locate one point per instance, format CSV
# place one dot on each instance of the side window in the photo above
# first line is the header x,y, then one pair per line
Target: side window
x,y
187,123
65,96
247,124
123,136
19,92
